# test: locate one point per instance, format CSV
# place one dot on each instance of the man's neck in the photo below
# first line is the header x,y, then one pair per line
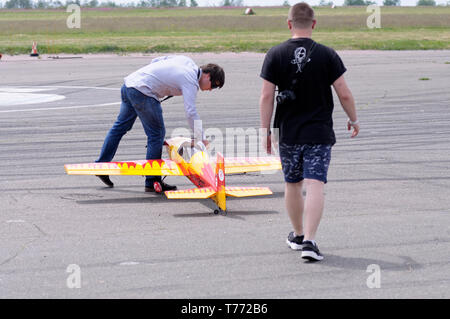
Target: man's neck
x,y
296,35
301,33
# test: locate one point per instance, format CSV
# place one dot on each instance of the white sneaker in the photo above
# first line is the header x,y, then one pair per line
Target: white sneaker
x,y
311,251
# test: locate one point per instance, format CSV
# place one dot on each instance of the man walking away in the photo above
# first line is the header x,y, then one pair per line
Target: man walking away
x,y
304,72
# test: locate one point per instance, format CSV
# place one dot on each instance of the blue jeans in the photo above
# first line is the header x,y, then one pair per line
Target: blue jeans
x,y
149,110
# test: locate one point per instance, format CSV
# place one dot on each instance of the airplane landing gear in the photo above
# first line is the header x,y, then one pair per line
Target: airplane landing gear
x,y
217,211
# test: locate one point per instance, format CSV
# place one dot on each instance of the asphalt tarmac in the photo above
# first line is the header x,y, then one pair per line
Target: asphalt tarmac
x,y
385,229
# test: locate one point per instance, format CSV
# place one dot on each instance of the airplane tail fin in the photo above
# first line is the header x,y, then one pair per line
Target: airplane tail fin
x,y
220,192
220,197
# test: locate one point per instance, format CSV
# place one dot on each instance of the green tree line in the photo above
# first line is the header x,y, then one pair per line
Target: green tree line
x,y
388,2
51,4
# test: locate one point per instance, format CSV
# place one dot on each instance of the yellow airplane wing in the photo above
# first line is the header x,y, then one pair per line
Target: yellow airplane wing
x,y
247,191
205,192
150,167
235,165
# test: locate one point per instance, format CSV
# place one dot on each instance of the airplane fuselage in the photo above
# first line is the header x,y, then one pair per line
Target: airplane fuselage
x,y
199,170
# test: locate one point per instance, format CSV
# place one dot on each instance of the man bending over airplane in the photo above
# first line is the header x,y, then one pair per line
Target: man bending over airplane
x,y
141,93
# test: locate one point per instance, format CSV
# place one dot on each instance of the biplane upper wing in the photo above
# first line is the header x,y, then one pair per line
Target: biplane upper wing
x,y
146,167
234,165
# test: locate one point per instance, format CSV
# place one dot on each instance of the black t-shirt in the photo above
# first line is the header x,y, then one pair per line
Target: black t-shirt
x,y
307,120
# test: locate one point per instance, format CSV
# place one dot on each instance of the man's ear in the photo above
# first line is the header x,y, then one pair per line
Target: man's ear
x,y
314,24
289,22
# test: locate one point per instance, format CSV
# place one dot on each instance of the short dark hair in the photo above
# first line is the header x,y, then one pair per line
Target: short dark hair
x,y
301,15
216,73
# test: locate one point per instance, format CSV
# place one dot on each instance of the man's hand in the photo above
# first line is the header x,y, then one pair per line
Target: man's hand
x,y
205,142
355,128
267,144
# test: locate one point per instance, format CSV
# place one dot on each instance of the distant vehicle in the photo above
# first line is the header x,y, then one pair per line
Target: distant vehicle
x,y
249,11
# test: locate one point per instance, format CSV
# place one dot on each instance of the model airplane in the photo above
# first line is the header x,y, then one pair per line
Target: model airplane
x,y
192,161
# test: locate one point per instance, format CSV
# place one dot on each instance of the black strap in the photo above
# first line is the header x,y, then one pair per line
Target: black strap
x,y
166,98
296,81
311,49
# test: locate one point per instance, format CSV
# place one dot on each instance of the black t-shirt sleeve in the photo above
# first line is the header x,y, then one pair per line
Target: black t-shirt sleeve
x,y
269,69
336,67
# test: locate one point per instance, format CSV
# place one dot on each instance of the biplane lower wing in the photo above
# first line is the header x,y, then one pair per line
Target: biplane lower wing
x,y
235,165
247,191
146,167
207,192
198,193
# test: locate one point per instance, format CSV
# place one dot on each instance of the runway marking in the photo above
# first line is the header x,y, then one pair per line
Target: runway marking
x,y
129,263
24,98
21,89
61,108
23,95
26,88
76,87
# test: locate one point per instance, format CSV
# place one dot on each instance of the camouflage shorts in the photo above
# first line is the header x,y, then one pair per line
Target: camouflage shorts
x,y
300,161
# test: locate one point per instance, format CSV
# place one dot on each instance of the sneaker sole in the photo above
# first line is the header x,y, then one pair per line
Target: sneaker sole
x,y
311,256
149,190
294,246
109,185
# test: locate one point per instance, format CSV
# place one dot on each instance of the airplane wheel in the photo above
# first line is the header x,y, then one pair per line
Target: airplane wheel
x,y
216,212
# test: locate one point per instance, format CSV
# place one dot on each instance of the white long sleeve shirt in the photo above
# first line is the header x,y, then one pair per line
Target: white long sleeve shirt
x,y
171,76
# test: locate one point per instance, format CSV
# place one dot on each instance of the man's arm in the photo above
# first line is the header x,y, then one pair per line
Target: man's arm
x,y
348,104
266,110
190,109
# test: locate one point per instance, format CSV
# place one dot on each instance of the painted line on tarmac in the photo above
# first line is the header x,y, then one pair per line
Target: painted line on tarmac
x,y
61,108
22,89
75,87
26,98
